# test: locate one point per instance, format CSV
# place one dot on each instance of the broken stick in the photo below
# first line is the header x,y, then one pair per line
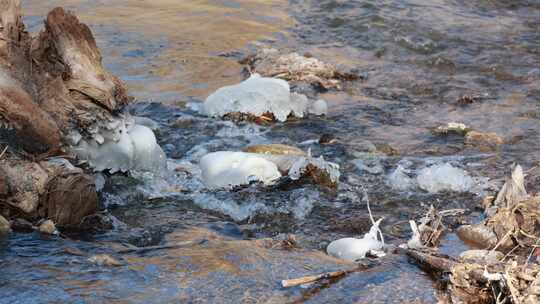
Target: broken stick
x,y
315,278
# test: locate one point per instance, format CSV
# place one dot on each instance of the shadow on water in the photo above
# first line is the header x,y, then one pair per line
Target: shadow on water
x,y
419,57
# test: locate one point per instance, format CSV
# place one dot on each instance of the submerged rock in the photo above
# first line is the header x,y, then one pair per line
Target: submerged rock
x,y
226,169
444,177
260,97
104,260
483,141
277,149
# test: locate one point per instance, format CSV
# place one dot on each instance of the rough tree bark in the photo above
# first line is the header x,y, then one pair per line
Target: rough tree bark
x,y
49,85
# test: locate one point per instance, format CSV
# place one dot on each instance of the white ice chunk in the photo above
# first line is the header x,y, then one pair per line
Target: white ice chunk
x,y
148,155
258,95
352,249
227,169
319,107
443,177
121,145
399,179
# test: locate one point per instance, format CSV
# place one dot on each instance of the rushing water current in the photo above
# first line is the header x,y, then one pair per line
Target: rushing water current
x,y
418,58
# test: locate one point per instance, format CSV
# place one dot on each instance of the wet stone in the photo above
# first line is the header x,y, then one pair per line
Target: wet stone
x,y
4,225
483,141
277,149
47,227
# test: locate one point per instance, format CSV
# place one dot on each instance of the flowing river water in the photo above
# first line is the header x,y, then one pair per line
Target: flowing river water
x,y
418,58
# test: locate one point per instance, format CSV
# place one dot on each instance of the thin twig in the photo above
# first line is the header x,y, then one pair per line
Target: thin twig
x,y
4,151
366,198
159,247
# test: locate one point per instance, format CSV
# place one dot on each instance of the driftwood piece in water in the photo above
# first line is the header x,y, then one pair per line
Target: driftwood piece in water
x,y
514,221
314,278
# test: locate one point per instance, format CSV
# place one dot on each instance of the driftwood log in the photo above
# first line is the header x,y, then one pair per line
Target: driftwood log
x,y
49,85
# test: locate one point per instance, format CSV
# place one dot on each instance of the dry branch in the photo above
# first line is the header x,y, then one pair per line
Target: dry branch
x,y
315,278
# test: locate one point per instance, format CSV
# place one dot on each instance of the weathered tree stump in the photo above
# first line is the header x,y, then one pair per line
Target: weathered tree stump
x,y
50,85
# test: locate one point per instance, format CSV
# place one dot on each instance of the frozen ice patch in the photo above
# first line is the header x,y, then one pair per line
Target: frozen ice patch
x,y
444,177
227,169
259,95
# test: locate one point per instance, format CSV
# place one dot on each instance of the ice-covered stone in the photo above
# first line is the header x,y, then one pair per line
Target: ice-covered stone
x,y
257,96
443,177
352,249
226,169
120,145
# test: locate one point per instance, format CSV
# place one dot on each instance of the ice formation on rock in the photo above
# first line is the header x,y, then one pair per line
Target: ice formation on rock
x,y
259,95
226,169
119,145
443,177
352,249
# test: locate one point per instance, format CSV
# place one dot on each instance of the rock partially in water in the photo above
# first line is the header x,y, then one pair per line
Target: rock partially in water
x,y
481,256
48,227
277,149
444,177
452,128
226,169
352,249
4,226
483,141
261,98
297,68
